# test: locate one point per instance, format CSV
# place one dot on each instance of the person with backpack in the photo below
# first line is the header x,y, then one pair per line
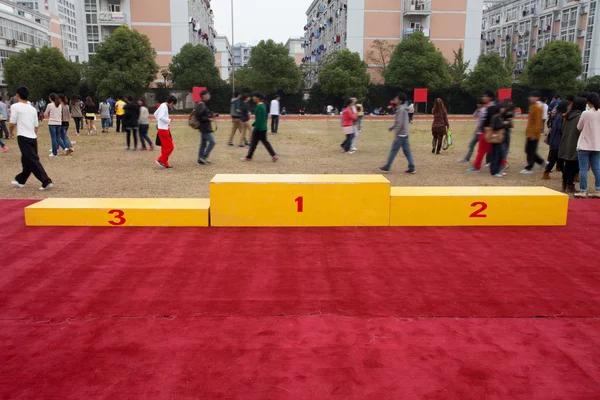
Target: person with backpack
x,y
236,121
245,118
205,119
164,138
260,128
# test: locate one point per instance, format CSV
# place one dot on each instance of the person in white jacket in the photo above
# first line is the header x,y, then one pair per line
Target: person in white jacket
x,y
165,141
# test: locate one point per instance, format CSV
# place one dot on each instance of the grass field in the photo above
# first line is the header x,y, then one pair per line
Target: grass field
x,y
100,167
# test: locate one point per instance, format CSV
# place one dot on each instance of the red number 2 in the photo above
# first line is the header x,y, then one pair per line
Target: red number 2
x,y
300,201
118,219
479,212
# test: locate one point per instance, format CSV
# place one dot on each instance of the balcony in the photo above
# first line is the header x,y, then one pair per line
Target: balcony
x,y
111,18
417,7
410,31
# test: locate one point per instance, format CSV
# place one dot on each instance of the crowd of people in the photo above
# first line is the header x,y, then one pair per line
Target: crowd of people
x,y
570,127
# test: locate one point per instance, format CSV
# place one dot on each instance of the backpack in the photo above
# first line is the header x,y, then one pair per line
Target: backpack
x,y
193,120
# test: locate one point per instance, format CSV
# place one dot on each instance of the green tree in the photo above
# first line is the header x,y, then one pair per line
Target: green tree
x,y
123,64
416,63
270,70
459,69
593,84
344,74
43,71
194,65
489,73
556,67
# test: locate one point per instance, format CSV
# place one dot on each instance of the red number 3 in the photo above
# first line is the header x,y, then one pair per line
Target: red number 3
x,y
118,219
479,212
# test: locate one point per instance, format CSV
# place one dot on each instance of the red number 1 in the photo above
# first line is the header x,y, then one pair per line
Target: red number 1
x,y
479,212
300,201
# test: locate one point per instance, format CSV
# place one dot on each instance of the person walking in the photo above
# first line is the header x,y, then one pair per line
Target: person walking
x,y
245,118
554,138
66,119
236,122
112,103
440,125
588,146
349,119
144,124
499,123
567,150
3,118
535,127
130,121
104,110
274,111
205,118
485,120
75,107
54,114
24,117
411,112
479,115
400,129
360,112
164,138
89,110
260,129
119,112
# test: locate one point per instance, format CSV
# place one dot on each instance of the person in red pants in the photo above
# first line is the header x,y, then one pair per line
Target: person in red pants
x,y
484,120
165,140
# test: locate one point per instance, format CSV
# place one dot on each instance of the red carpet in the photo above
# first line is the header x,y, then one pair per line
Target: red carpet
x,y
300,313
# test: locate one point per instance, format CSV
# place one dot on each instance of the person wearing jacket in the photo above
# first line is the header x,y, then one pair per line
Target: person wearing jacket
x,y
588,146
164,140
205,118
479,115
567,150
498,122
144,124
131,119
76,113
535,127
54,114
104,111
554,137
245,118
349,118
236,114
440,125
260,128
66,119
400,129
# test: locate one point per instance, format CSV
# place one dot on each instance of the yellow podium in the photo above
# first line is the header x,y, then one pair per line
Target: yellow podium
x,y
477,206
119,212
299,200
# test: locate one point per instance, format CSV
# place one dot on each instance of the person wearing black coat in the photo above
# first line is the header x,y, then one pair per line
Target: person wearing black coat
x,y
554,137
131,121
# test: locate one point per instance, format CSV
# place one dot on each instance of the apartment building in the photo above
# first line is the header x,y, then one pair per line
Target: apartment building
x,y
296,49
354,24
21,28
518,29
223,56
241,54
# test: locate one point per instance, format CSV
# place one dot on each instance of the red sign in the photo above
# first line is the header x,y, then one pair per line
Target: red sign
x,y
420,96
196,94
504,94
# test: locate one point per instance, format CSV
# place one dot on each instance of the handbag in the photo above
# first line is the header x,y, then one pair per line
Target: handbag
x,y
348,130
494,136
157,141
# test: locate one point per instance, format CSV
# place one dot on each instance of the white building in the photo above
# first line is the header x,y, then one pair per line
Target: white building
x,y
296,49
518,29
223,56
241,54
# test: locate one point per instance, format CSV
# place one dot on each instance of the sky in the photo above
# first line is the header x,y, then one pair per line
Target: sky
x,y
256,20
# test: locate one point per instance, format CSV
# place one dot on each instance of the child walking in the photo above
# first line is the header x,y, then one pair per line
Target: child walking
x,y
260,128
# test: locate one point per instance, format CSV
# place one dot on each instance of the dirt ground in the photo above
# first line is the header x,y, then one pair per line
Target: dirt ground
x,y
100,167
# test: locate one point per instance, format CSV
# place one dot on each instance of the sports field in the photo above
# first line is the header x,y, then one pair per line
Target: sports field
x,y
100,167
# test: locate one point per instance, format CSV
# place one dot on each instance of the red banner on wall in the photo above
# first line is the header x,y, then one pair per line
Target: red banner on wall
x,y
196,94
420,96
504,94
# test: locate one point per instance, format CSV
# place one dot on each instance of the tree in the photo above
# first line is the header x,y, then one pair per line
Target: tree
x,y
459,69
556,67
43,71
194,65
123,64
416,63
270,70
593,84
344,74
380,56
489,73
